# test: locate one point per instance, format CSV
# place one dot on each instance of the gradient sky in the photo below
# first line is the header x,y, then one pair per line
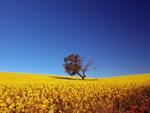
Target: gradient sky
x,y
35,35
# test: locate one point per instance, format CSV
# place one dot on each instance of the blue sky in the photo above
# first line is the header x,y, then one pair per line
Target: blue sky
x,y
35,35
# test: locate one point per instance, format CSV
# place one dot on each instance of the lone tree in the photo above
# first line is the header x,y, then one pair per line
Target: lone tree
x,y
73,64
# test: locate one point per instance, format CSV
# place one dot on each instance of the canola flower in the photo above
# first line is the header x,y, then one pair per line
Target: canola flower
x,y
27,93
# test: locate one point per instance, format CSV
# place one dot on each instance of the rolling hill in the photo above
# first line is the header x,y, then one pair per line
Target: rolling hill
x,y
47,93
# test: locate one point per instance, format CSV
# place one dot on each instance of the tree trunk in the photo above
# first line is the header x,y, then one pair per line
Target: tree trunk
x,y
81,76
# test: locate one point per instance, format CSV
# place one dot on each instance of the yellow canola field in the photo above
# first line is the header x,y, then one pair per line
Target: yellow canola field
x,y
41,93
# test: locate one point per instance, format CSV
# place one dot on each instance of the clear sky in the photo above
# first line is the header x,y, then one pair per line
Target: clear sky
x,y
35,35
